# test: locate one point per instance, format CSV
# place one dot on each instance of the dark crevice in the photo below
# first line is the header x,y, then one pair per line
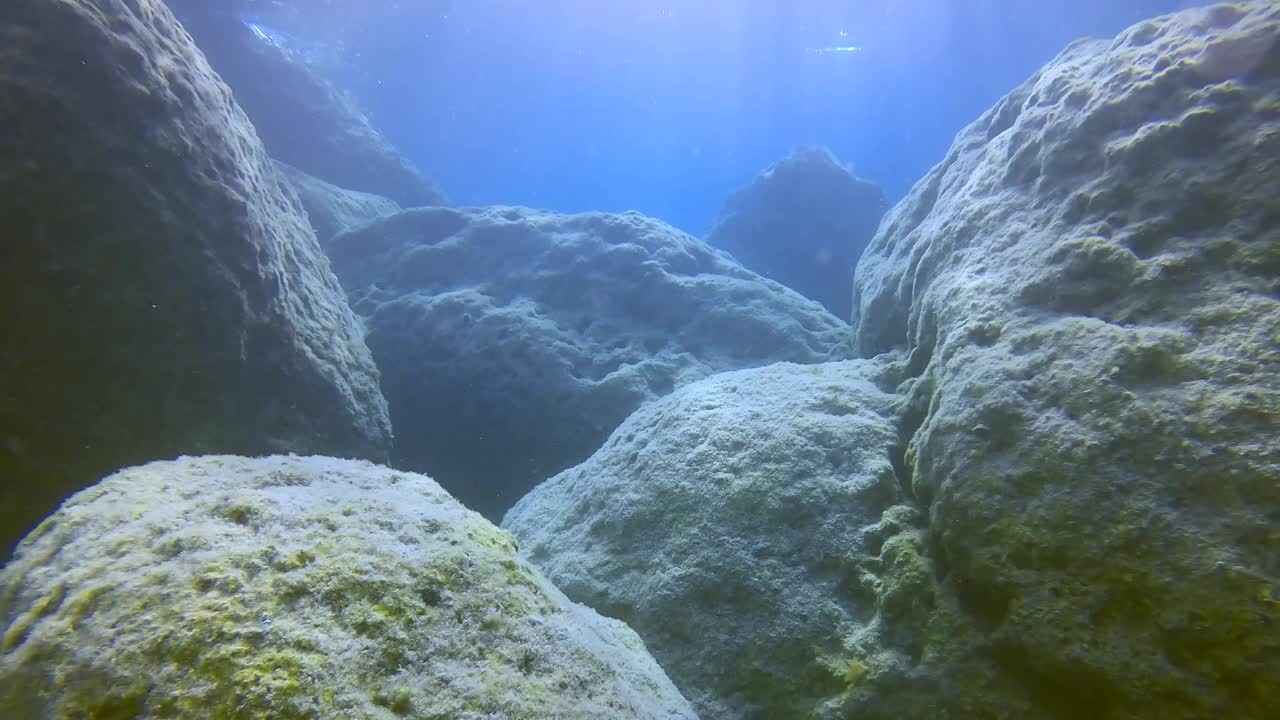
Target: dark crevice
x,y
985,601
913,417
917,361
1065,693
925,340
916,408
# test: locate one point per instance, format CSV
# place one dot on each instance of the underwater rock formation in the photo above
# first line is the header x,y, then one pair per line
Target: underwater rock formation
x,y
332,209
291,587
736,524
302,118
160,290
1089,289
512,341
1087,292
803,222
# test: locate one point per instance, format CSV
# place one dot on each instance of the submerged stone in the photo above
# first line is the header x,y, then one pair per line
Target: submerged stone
x,y
299,587
803,222
513,341
1087,287
741,525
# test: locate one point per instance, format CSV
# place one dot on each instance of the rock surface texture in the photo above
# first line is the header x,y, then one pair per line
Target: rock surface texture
x,y
803,222
736,525
332,209
1089,289
290,587
160,290
302,118
514,341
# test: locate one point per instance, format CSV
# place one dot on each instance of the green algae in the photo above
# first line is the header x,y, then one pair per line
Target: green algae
x,y
284,478
18,630
305,623
398,699
491,537
246,510
855,672
907,589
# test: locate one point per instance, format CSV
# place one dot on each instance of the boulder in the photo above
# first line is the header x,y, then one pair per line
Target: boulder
x,y
1089,289
160,290
803,222
300,587
302,118
737,525
513,341
332,209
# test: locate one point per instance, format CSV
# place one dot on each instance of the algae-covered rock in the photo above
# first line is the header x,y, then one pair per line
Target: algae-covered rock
x,y
1089,289
738,525
332,209
513,341
803,221
291,587
160,290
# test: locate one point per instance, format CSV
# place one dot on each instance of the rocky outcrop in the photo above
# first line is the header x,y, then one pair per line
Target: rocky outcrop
x,y
302,118
737,525
332,209
160,290
803,222
1089,289
513,341
291,587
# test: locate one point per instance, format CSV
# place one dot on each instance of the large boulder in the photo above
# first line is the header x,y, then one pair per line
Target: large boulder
x,y
332,209
1089,289
302,118
737,525
513,341
803,222
290,587
160,290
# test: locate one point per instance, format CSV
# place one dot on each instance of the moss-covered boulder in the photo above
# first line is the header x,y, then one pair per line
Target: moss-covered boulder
x,y
290,587
1089,289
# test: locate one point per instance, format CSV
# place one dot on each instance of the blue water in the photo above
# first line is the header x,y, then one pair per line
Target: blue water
x,y
665,107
